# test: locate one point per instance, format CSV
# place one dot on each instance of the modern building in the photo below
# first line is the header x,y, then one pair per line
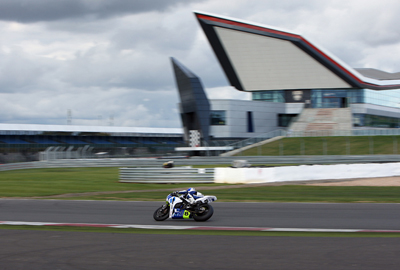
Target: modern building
x,y
288,76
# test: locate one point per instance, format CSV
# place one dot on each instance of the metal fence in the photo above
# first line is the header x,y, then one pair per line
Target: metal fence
x,y
353,132
259,138
172,175
157,163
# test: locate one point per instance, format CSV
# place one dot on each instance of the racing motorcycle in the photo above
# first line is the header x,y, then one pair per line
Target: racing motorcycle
x,y
185,206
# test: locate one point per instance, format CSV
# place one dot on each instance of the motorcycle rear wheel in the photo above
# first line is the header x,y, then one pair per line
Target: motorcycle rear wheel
x,y
161,214
204,215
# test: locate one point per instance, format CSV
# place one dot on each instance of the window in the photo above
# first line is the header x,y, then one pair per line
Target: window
x,y
269,96
368,120
218,118
250,127
284,120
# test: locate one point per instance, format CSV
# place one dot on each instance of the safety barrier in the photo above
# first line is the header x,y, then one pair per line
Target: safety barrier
x,y
150,170
171,175
305,173
155,162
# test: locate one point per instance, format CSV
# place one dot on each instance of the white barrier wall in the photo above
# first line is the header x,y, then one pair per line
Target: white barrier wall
x,y
305,172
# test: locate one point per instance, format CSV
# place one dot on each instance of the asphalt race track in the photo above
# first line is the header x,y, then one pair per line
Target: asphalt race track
x,y
40,250
277,215
23,249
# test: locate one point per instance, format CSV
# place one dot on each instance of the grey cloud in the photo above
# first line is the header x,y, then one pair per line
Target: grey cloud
x,y
27,11
23,73
120,66
92,106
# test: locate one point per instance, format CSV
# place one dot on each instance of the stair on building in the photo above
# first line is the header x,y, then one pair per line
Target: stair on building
x,y
328,121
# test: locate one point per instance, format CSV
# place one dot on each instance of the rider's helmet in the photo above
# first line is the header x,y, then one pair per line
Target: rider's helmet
x,y
191,191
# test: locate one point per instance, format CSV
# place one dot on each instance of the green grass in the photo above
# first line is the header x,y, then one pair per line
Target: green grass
x,y
46,182
352,145
287,193
195,232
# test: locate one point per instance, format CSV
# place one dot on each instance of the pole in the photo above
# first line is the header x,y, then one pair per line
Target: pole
x,y
371,145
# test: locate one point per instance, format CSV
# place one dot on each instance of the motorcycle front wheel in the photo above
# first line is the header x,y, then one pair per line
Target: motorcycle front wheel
x,y
206,211
161,213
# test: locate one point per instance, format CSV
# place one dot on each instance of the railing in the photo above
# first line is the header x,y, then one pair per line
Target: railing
x,y
157,163
376,132
172,175
353,132
259,138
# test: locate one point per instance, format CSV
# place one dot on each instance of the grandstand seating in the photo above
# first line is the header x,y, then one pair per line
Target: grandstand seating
x,y
146,141
93,140
12,140
43,140
122,140
172,142
71,140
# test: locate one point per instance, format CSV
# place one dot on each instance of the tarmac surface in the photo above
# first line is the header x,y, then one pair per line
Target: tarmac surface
x,y
278,215
24,249
42,250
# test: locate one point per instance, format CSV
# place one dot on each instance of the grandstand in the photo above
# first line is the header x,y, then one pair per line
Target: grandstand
x,y
24,142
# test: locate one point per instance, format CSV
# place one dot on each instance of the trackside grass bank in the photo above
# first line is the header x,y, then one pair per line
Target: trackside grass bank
x,y
195,232
55,181
286,193
87,183
351,145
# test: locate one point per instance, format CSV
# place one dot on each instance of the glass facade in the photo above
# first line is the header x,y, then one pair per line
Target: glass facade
x,y
336,98
218,118
329,98
368,120
341,98
389,98
284,120
269,96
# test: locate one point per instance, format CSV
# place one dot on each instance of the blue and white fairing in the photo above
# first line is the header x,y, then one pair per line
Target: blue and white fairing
x,y
176,205
177,212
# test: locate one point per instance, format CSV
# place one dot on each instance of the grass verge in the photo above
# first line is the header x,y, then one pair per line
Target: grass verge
x,y
48,182
287,193
55,181
340,145
194,232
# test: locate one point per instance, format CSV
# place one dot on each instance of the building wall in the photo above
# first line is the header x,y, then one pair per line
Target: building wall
x,y
293,108
375,110
264,114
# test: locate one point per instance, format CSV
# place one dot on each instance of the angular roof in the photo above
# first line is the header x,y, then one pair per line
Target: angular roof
x,y
378,74
258,57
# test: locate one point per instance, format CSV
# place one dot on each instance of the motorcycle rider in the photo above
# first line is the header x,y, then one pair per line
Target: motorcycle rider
x,y
190,195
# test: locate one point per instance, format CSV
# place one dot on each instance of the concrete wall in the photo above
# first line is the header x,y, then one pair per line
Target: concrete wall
x,y
375,110
265,117
305,173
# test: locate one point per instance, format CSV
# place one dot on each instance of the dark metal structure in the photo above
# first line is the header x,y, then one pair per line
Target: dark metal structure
x,y
194,106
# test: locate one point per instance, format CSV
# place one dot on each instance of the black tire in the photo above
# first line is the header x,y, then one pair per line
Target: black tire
x,y
206,214
161,214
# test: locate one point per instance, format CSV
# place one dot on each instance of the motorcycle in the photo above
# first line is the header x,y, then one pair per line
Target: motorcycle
x,y
178,207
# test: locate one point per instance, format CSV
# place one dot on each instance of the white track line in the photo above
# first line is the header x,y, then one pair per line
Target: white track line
x,y
204,228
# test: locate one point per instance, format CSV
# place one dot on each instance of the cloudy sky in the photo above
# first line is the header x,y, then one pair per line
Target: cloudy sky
x,y
107,62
